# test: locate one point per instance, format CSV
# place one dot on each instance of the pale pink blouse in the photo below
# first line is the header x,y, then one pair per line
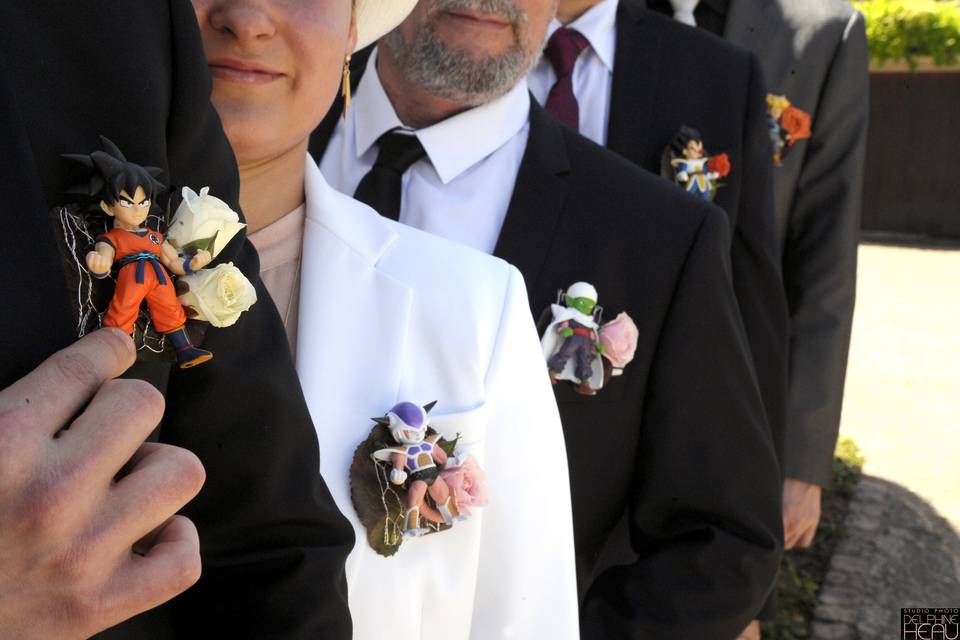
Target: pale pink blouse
x,y
280,246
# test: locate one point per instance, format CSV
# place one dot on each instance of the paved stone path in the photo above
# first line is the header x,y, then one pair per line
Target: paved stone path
x,y
898,552
902,408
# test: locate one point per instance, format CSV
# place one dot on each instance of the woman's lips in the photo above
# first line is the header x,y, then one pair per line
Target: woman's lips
x,y
235,71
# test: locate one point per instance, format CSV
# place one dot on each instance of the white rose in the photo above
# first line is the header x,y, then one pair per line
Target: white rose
x,y
217,295
200,217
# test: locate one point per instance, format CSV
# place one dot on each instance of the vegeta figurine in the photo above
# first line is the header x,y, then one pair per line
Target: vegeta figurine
x,y
693,170
572,344
142,258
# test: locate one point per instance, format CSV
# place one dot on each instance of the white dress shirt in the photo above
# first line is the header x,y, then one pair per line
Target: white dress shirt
x,y
593,73
462,189
389,313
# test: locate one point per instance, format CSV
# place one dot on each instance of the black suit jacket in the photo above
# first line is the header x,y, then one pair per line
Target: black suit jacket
x,y
272,541
667,75
679,443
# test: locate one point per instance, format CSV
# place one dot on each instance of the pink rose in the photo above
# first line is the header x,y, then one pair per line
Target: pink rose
x,y
619,338
468,484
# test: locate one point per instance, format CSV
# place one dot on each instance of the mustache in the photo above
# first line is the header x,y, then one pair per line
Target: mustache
x,y
501,8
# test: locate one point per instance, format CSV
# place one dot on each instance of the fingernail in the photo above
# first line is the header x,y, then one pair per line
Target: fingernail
x,y
127,342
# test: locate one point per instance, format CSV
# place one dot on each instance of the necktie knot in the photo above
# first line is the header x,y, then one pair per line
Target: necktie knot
x,y
563,48
398,151
382,186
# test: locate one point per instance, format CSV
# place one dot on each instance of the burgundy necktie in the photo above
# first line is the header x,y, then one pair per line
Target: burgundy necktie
x,y
562,50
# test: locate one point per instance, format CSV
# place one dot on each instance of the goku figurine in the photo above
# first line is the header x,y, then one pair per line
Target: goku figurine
x,y
142,259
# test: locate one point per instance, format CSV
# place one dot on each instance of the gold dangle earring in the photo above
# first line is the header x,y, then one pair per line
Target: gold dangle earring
x,y
345,90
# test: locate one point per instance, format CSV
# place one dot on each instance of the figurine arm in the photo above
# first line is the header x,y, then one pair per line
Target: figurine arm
x,y
100,259
397,474
172,261
439,455
599,346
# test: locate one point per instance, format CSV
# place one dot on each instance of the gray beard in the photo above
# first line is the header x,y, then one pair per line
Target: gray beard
x,y
453,75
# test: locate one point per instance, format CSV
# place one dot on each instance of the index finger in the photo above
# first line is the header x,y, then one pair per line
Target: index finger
x,y
48,397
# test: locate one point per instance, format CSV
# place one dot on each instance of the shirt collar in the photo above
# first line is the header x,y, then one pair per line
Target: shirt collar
x,y
453,145
599,26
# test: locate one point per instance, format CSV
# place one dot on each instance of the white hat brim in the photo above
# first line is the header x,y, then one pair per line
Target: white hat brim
x,y
376,18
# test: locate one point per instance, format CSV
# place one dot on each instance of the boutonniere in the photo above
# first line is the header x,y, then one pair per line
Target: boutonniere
x,y
150,272
407,481
579,347
687,162
788,125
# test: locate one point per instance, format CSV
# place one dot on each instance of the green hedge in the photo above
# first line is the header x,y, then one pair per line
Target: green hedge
x,y
902,30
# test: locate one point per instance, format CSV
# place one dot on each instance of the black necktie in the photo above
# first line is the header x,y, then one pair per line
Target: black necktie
x,y
380,188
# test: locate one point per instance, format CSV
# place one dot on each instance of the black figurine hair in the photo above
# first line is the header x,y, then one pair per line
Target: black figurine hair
x,y
112,173
683,138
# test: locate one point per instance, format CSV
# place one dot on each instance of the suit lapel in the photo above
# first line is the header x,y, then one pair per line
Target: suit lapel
x,y
635,74
352,314
538,197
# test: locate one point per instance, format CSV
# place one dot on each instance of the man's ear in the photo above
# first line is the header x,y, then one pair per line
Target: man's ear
x,y
106,208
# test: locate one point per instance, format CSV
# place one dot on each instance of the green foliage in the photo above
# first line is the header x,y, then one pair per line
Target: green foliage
x,y
200,244
802,571
902,30
847,464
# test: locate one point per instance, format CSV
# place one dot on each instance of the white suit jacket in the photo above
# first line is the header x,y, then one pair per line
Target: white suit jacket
x,y
389,313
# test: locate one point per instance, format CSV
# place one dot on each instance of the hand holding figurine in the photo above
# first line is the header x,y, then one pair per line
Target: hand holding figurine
x,y
200,260
88,535
398,476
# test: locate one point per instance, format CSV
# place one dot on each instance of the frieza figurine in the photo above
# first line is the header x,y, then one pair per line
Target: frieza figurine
x,y
416,460
695,171
141,257
572,343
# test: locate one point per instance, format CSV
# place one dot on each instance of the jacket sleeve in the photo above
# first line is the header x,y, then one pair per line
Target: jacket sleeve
x,y
527,585
273,543
820,259
755,256
704,519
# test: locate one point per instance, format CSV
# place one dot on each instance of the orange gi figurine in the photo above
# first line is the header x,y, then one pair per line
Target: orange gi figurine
x,y
142,259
